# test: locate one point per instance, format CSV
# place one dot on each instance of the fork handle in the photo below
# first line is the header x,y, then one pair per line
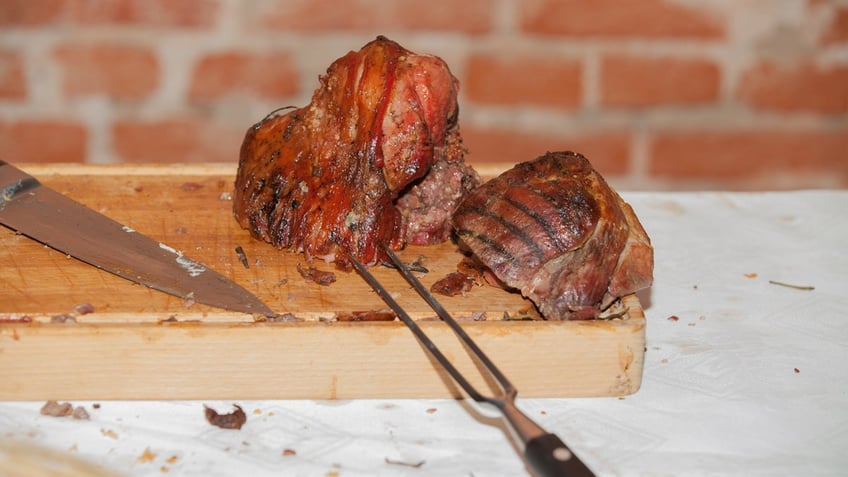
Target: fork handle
x,y
550,457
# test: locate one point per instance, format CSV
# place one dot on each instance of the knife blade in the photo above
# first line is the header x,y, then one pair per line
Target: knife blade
x,y
70,227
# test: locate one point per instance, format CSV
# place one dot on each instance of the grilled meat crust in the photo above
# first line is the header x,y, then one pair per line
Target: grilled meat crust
x,y
325,179
554,230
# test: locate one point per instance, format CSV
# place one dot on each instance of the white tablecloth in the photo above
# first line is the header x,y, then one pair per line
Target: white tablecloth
x,y
749,379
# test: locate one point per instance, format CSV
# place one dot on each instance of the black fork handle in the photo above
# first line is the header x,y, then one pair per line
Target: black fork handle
x,y
545,452
548,456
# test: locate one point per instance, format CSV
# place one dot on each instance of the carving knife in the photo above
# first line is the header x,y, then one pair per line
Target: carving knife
x,y
61,223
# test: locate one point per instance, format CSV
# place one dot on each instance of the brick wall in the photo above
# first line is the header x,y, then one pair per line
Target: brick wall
x,y
659,94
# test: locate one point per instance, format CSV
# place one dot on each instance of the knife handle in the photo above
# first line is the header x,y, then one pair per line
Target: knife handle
x,y
548,456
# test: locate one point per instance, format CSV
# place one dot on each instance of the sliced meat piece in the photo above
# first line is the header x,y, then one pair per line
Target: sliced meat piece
x,y
454,283
554,230
327,179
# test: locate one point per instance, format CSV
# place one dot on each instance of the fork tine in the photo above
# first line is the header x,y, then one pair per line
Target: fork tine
x,y
418,332
508,389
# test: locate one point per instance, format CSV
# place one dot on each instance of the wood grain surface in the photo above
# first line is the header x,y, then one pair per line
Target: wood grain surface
x,y
143,344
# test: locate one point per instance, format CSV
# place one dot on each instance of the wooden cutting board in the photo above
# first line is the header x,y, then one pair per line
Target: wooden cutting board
x,y
143,344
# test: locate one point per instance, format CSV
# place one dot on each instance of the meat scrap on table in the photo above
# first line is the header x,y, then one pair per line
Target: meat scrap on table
x,y
233,420
312,274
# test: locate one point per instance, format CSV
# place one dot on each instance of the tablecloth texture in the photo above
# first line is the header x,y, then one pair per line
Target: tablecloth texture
x,y
742,376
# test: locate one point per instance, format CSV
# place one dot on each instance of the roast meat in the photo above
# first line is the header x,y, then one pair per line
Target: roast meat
x,y
554,230
375,159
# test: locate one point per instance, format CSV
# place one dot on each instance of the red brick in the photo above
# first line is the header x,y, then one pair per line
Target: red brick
x,y
179,140
749,154
469,16
272,75
614,18
634,81
795,87
837,31
30,13
12,79
181,13
122,72
513,79
43,141
608,151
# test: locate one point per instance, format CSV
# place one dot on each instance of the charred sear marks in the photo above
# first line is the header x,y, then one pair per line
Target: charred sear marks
x,y
553,229
512,227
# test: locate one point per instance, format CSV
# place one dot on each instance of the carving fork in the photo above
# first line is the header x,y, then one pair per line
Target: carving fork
x,y
546,454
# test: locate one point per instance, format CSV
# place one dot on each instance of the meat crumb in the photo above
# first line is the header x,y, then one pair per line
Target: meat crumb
x,y
242,257
797,371
311,274
288,452
479,316
527,314
416,265
57,409
15,319
474,269
146,456
233,420
673,318
80,414
63,319
283,318
371,315
84,308
455,283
